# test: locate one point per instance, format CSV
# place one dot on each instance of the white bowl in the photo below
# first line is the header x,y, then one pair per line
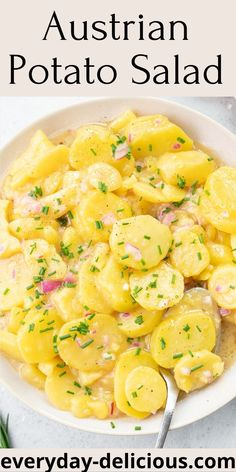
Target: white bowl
x,y
202,129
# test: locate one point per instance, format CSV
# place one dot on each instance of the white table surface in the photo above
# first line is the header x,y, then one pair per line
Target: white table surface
x,y
29,429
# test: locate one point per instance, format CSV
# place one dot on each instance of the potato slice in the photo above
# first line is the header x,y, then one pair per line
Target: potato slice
x,y
223,287
177,335
140,242
88,289
15,277
191,166
139,322
16,319
197,370
119,123
38,161
127,362
154,135
160,287
43,259
145,389
36,338
159,193
98,212
32,375
219,253
187,246
197,298
29,228
8,345
96,143
61,388
9,246
113,281
67,303
91,342
104,177
218,200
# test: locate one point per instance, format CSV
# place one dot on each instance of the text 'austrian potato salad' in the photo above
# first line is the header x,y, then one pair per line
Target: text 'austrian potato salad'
x,y
117,257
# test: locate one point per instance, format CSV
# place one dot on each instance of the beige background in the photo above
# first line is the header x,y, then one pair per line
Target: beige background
x,y
211,29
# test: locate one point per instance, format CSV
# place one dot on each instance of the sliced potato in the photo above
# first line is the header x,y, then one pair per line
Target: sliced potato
x,y
61,388
98,212
91,343
159,288
197,370
32,375
154,135
127,362
219,253
139,322
88,289
36,338
218,199
160,193
223,287
145,389
177,335
104,177
15,277
191,166
113,281
140,242
189,254
8,345
96,143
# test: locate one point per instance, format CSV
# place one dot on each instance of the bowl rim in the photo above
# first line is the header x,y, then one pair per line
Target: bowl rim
x,y
38,123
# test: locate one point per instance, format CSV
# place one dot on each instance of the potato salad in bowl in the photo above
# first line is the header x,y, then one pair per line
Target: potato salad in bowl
x,y
117,246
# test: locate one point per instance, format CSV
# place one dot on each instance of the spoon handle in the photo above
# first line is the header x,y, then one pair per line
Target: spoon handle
x,y
172,397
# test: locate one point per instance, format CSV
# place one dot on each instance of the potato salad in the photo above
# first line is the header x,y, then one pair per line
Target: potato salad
x,y
117,259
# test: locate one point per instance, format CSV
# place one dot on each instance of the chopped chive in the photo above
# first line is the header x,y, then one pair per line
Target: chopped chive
x,y
62,374
159,249
139,320
181,140
199,255
46,329
70,392
45,210
134,394
178,355
147,237
137,428
93,151
186,328
6,291
196,367
31,327
102,187
126,256
83,346
99,224
173,280
65,336
163,343
112,425
199,329
138,350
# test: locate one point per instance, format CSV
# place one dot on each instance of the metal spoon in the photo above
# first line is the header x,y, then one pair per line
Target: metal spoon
x,y
206,304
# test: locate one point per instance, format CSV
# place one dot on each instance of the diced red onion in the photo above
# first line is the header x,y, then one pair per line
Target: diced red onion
x,y
13,274
219,288
136,344
133,251
176,146
109,219
121,151
48,286
125,315
162,211
185,370
224,312
169,218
